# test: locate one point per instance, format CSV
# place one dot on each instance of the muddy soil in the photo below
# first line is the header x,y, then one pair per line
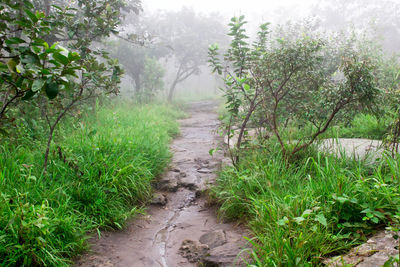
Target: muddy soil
x,y
179,228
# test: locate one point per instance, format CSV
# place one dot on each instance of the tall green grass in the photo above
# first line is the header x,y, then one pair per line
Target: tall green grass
x,y
301,213
100,174
363,126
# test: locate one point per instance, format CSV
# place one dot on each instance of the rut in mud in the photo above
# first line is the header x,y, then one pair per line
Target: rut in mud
x,y
179,229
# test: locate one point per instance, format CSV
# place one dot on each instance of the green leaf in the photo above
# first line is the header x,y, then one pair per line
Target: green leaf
x,y
32,16
37,85
64,79
283,221
28,4
340,199
52,90
12,64
30,58
57,7
306,213
211,151
61,58
73,56
321,219
40,42
14,40
70,71
40,15
71,34
375,220
28,95
299,220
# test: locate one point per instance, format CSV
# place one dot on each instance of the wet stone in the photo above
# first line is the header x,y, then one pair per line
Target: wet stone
x,y
168,183
375,252
201,163
183,225
224,256
159,199
189,182
204,170
214,239
194,251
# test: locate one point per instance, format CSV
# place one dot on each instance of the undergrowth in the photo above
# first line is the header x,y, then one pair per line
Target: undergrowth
x,y
361,126
303,212
100,174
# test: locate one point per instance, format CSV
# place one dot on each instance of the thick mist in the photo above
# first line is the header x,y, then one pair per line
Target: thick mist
x,y
175,36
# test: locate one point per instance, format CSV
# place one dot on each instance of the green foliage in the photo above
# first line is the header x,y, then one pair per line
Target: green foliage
x,y
100,174
291,75
55,80
28,64
301,213
363,126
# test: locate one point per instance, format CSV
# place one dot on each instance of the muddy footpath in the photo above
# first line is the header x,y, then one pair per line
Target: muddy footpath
x,y
179,228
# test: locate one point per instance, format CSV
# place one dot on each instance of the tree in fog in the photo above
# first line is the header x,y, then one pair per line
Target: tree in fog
x,y
142,65
187,35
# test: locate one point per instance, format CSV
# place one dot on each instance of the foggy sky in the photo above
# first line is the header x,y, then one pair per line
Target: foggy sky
x,y
253,9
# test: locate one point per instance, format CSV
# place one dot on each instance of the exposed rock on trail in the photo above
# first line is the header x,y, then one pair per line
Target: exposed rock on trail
x,y
214,239
194,251
159,199
375,252
179,229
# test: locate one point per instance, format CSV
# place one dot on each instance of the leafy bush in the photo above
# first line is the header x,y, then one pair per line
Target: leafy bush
x,y
294,74
97,178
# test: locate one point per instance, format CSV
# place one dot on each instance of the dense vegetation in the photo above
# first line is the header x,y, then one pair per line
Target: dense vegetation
x,y
76,159
300,214
100,174
284,92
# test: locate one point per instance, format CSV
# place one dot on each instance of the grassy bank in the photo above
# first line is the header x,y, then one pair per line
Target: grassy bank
x,y
99,175
304,212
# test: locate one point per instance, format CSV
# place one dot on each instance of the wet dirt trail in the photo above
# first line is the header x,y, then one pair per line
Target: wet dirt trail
x,y
179,228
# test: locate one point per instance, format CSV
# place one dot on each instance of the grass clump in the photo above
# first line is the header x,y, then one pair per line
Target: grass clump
x,y
301,213
100,174
363,126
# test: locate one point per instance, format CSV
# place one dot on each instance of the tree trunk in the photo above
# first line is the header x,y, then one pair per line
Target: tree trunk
x,y
172,90
242,129
138,85
54,125
181,75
